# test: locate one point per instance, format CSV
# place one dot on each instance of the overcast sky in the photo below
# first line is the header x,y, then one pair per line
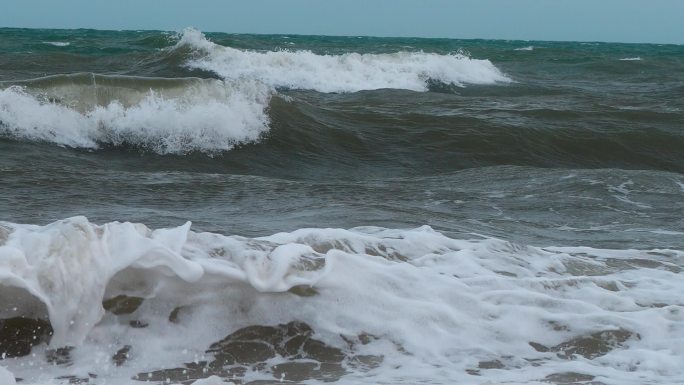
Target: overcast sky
x,y
656,21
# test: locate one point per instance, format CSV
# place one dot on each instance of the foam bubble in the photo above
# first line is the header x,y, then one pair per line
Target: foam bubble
x,y
349,72
210,117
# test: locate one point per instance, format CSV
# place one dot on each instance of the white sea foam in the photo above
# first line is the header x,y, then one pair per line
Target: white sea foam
x,y
631,59
528,48
210,116
6,378
58,43
438,306
213,380
349,72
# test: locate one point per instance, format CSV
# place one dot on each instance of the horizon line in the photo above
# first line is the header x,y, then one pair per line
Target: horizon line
x,y
342,35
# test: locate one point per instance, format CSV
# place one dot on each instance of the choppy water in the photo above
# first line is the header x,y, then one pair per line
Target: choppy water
x,y
363,210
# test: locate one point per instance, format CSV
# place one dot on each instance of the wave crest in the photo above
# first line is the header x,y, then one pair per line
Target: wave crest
x,y
163,115
349,72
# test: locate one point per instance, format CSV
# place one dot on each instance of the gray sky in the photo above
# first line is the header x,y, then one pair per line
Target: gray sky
x,y
655,21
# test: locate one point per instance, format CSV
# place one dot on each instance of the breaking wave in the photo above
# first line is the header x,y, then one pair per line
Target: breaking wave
x,y
181,115
163,115
57,43
527,48
467,305
349,72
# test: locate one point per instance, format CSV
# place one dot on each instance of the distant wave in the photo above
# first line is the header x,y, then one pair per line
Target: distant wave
x,y
163,115
528,48
57,43
349,72
631,59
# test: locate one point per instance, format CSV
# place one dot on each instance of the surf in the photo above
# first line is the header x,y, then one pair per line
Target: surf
x,y
349,72
167,116
471,305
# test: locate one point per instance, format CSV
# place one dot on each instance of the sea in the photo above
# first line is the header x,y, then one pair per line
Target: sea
x,y
210,208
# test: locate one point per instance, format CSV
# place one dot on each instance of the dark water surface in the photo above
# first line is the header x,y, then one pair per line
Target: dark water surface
x,y
582,146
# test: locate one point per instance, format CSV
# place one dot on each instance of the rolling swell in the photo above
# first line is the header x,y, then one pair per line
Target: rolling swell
x,y
387,111
182,115
84,91
308,134
417,142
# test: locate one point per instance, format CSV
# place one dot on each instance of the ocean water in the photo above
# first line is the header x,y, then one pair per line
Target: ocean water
x,y
189,208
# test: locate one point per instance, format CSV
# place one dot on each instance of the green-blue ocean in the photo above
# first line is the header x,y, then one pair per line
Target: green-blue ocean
x,y
211,208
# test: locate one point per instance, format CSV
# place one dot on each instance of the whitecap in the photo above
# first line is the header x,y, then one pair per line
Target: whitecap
x,y
57,43
528,48
208,116
348,72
